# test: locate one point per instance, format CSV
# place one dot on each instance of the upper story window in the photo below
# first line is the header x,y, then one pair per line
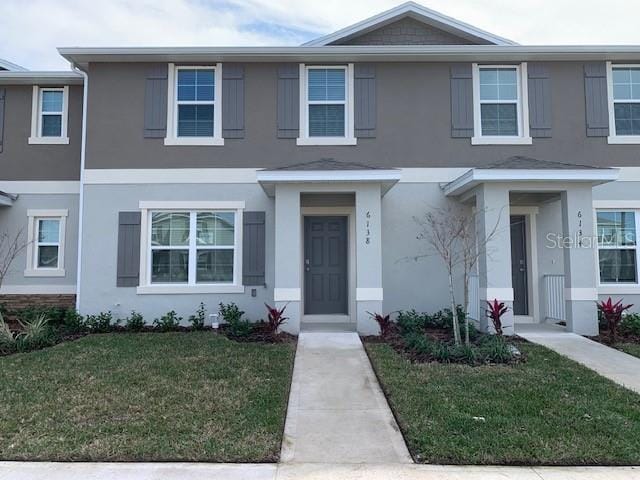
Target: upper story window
x,y
49,115
501,114
326,105
194,114
617,246
45,247
624,103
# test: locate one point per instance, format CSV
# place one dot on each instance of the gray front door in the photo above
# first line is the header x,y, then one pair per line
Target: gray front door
x,y
519,265
325,265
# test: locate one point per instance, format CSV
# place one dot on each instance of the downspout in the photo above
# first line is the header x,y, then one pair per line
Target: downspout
x,y
83,148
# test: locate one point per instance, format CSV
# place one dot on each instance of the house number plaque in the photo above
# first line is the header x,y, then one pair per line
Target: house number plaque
x,y
367,236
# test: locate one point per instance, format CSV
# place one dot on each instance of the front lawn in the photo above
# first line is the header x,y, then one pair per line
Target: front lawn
x,y
146,397
547,410
630,348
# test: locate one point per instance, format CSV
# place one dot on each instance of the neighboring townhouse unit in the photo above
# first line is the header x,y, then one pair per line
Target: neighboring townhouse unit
x,y
294,175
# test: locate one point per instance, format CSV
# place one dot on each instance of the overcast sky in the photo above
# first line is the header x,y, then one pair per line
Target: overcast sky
x,y
30,30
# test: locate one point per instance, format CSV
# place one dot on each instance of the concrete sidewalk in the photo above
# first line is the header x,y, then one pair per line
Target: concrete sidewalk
x,y
204,471
618,366
337,411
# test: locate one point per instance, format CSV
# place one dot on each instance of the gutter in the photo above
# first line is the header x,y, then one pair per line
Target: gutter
x,y
83,149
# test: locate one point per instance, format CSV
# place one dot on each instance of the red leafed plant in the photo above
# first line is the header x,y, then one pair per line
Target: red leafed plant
x,y
384,322
495,312
612,314
275,319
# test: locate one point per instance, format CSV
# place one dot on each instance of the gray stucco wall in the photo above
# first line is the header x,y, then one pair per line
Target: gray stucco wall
x,y
413,125
21,161
14,219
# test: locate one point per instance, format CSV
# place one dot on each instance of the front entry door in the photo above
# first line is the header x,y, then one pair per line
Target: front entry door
x,y
325,265
519,272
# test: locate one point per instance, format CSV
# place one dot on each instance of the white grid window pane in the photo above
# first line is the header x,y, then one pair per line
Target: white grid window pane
x,y
170,229
48,256
327,84
626,83
48,231
52,101
196,85
215,228
616,229
215,266
169,266
498,84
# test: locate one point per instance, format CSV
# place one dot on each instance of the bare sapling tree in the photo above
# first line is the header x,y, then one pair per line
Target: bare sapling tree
x,y
10,248
450,231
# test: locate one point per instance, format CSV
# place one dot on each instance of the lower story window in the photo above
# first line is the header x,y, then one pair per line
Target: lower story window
x,y
193,247
617,246
46,242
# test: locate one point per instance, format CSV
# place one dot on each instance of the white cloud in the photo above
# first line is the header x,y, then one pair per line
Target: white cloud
x,y
30,31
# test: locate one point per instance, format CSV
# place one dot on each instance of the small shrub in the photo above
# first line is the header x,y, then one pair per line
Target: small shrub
x,y
495,349
100,323
170,321
7,338
442,352
418,343
612,314
468,354
72,322
384,323
630,325
411,321
275,319
134,322
197,320
495,312
232,316
36,333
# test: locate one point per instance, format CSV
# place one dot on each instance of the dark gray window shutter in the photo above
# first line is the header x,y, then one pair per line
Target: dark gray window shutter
x,y
253,248
539,89
232,100
155,102
461,101
288,100
364,100
2,101
128,249
597,102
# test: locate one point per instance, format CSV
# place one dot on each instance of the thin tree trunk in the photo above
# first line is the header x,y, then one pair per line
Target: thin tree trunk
x,y
454,311
466,308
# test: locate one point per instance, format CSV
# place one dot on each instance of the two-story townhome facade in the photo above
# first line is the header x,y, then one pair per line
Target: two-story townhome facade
x,y
296,175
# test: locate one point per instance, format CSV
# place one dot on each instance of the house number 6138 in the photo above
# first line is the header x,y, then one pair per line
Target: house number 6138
x,y
367,237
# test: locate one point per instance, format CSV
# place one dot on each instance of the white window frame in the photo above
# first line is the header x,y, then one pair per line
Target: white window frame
x,y
613,137
172,138
149,207
522,105
349,139
618,288
33,218
36,137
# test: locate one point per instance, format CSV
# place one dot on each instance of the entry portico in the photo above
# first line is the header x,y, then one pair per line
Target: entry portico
x,y
343,203
512,270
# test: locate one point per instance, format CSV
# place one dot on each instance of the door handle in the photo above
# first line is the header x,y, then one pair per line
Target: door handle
x,y
307,263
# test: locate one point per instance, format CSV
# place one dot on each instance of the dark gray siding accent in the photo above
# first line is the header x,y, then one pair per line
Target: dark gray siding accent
x,y
288,100
253,248
128,273
155,102
232,100
2,95
365,100
539,89
461,100
597,103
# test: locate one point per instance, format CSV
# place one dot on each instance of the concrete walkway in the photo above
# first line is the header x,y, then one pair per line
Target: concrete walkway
x,y
295,471
608,362
337,411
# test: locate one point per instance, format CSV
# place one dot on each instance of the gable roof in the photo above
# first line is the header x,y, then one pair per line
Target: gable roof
x,y
11,67
418,12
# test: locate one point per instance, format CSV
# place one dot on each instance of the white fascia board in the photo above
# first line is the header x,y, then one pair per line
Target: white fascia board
x,y
329,176
10,66
40,78
425,14
476,176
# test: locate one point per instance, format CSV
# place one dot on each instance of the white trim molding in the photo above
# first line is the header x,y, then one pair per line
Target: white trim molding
x,y
349,137
37,290
581,294
34,217
172,138
369,294
47,187
126,176
191,205
522,108
287,295
36,137
501,294
187,289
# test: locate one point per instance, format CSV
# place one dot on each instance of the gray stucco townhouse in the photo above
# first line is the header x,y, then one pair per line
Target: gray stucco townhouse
x,y
152,179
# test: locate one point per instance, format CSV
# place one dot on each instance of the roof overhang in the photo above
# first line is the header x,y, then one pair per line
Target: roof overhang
x,y
419,12
7,199
477,176
12,67
358,53
268,179
40,78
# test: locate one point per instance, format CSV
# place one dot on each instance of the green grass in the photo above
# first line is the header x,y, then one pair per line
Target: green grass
x,y
546,411
146,397
630,348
